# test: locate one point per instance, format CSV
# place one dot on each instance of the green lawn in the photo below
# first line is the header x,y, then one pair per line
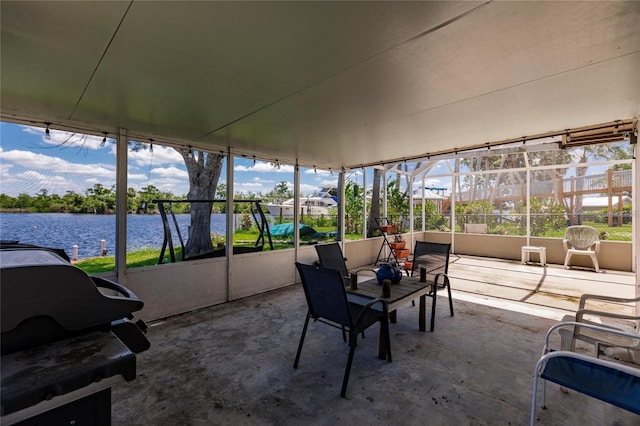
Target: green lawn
x,y
147,257
135,259
614,233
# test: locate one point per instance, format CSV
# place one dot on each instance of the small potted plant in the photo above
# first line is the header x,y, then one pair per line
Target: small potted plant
x,y
398,243
388,228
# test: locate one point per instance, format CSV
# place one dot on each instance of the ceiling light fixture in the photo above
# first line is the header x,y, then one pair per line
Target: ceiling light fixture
x,y
47,133
190,154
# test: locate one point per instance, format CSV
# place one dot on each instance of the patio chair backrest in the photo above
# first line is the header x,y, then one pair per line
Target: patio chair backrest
x,y
432,256
581,237
331,257
325,292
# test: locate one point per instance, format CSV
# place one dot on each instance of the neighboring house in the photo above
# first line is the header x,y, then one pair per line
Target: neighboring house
x,y
598,203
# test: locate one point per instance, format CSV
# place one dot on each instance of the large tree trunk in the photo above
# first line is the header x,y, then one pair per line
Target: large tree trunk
x,y
204,172
375,203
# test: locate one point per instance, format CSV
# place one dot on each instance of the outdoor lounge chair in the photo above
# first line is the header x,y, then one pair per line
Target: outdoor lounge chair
x,y
612,382
607,344
327,301
581,240
434,257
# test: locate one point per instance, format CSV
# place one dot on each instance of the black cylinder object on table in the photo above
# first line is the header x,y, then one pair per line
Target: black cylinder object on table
x,y
353,281
386,288
423,275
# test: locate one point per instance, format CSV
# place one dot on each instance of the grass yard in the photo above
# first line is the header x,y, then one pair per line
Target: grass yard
x,y
149,256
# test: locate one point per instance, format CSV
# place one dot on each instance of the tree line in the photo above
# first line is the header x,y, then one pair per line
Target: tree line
x,y
95,200
100,199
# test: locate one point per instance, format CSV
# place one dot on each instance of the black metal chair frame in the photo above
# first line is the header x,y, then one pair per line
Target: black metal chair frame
x,y
326,297
330,256
436,255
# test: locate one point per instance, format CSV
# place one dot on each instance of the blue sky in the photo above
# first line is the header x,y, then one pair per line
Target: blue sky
x,y
29,163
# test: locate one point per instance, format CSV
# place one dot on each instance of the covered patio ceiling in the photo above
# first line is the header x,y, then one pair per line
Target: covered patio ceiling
x,y
331,84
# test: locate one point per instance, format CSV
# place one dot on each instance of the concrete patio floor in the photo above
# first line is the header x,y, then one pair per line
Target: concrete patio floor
x,y
233,363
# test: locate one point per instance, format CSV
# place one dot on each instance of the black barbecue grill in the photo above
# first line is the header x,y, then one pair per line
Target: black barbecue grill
x,y
67,337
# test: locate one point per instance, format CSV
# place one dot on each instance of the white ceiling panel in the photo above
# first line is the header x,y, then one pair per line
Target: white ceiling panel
x,y
327,83
49,51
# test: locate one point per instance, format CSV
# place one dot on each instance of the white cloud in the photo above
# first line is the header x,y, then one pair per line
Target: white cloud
x,y
64,139
333,182
160,155
136,176
264,167
264,181
4,167
31,182
251,185
170,172
36,161
307,189
318,172
175,186
29,172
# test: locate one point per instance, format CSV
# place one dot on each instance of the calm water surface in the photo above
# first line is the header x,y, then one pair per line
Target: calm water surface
x,y
63,230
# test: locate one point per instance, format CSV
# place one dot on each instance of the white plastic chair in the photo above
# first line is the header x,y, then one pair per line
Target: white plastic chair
x,y
604,311
582,241
612,382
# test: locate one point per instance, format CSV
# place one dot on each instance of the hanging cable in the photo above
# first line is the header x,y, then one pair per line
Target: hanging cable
x,y
150,164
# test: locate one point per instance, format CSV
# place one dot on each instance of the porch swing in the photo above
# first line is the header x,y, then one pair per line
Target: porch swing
x,y
166,210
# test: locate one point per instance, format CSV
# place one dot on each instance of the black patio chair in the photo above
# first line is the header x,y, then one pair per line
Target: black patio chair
x,y
330,256
327,301
434,257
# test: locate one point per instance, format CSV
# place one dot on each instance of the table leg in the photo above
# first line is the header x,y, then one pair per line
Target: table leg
x,y
422,314
393,317
382,344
